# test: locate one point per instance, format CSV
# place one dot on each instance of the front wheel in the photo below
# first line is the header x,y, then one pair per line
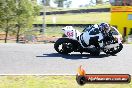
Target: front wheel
x,y
115,50
64,46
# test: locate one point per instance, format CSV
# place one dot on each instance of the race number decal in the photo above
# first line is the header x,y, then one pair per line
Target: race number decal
x,y
70,34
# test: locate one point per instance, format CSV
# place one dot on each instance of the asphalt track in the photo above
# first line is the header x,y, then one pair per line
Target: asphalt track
x,y
44,60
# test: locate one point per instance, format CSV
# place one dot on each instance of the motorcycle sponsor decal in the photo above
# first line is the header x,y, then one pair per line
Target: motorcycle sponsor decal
x,y
83,78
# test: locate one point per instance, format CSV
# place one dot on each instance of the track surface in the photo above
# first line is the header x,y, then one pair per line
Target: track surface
x,y
43,59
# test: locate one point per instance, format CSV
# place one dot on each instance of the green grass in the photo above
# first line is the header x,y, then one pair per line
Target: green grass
x,y
97,6
130,43
83,18
50,9
57,31
53,31
50,82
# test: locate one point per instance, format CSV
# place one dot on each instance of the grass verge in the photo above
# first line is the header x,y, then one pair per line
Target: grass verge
x,y
50,82
82,18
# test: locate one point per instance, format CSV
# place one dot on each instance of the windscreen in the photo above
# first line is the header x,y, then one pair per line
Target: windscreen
x,y
114,31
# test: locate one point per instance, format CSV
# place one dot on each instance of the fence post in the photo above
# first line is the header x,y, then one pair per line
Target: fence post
x,y
124,34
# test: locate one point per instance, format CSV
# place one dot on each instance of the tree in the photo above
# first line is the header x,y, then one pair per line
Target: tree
x,y
17,16
99,1
92,2
59,2
68,3
7,16
25,14
47,2
130,33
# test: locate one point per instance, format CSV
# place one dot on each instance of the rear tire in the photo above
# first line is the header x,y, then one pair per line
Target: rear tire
x,y
68,45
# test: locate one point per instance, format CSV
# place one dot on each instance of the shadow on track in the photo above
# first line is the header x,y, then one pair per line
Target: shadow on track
x,y
74,56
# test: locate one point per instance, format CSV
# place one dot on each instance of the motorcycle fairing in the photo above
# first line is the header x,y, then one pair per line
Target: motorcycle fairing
x,y
93,32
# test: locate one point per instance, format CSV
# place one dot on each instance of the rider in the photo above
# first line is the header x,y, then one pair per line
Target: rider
x,y
105,28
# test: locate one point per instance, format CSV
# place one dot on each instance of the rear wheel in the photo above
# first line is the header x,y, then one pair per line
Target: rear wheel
x,y
64,46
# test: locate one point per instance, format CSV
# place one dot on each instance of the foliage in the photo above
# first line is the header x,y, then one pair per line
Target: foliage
x,y
99,1
7,15
47,2
68,3
130,33
59,2
25,13
16,16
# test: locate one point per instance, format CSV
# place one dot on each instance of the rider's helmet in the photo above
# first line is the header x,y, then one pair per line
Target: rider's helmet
x,y
105,27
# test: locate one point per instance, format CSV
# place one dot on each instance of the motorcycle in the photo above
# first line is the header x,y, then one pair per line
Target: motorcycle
x,y
91,40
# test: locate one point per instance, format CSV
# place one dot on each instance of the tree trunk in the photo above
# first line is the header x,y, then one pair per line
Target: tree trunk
x,y
17,36
6,36
6,31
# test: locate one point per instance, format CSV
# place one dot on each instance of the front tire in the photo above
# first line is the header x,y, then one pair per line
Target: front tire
x,y
114,51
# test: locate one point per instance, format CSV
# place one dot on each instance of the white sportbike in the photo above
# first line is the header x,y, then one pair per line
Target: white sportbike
x,y
91,40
